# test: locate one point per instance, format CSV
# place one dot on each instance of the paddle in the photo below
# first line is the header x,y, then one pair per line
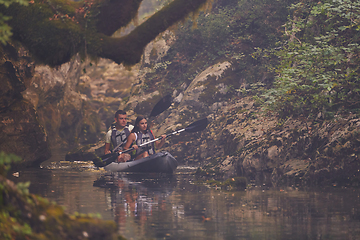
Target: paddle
x,y
111,157
163,104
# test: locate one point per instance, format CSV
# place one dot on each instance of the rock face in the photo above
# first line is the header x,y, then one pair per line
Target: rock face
x,y
76,102
241,140
21,132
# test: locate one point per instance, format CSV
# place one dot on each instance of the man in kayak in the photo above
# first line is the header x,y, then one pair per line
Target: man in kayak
x,y
118,134
142,134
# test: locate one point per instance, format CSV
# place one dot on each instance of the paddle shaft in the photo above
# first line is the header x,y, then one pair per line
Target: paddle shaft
x,y
111,157
151,141
163,104
116,148
194,127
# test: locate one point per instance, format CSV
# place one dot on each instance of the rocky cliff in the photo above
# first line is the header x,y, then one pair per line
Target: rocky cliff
x,y
241,138
244,139
76,101
75,104
21,132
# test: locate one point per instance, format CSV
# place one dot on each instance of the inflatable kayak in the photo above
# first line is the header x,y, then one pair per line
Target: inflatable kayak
x,y
161,162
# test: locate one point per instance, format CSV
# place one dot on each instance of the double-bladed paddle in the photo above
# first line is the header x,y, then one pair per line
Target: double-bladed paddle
x,y
111,157
163,104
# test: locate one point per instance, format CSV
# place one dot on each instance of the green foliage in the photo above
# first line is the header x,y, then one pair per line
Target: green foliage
x,y
23,187
162,65
5,29
7,3
54,31
27,216
232,31
319,64
50,34
5,162
9,224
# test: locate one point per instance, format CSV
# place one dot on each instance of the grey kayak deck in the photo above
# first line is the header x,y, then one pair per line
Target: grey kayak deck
x,y
161,162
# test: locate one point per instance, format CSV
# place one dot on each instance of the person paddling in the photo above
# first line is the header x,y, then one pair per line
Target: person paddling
x,y
117,135
141,134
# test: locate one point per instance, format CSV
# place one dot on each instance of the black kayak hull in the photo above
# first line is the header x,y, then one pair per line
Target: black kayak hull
x,y
161,162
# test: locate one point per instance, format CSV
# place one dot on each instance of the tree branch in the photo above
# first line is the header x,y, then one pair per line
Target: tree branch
x,y
128,49
55,31
114,14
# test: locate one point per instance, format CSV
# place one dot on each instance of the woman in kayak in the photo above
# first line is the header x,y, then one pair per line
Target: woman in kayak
x,y
140,135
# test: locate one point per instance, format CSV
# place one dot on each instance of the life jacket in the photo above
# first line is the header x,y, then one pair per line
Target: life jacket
x,y
119,137
143,138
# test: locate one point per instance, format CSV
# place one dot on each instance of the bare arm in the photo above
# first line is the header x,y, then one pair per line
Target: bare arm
x,y
125,156
107,148
161,142
131,138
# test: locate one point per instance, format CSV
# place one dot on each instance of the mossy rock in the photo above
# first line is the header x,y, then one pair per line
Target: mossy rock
x,y
28,216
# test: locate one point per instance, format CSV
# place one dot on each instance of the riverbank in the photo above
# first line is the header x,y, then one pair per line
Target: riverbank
x,y
243,141
24,215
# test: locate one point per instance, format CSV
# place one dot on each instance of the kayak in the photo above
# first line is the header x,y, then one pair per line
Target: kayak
x,y
161,162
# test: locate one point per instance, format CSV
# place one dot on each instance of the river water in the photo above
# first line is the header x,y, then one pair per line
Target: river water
x,y
177,207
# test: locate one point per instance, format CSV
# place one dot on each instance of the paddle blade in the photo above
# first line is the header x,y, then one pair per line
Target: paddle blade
x,y
197,126
105,160
161,106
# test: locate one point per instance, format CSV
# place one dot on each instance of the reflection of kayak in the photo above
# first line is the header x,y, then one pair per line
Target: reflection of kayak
x,y
157,182
162,162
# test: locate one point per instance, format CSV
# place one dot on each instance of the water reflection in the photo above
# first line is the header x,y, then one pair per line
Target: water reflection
x,y
176,207
134,198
